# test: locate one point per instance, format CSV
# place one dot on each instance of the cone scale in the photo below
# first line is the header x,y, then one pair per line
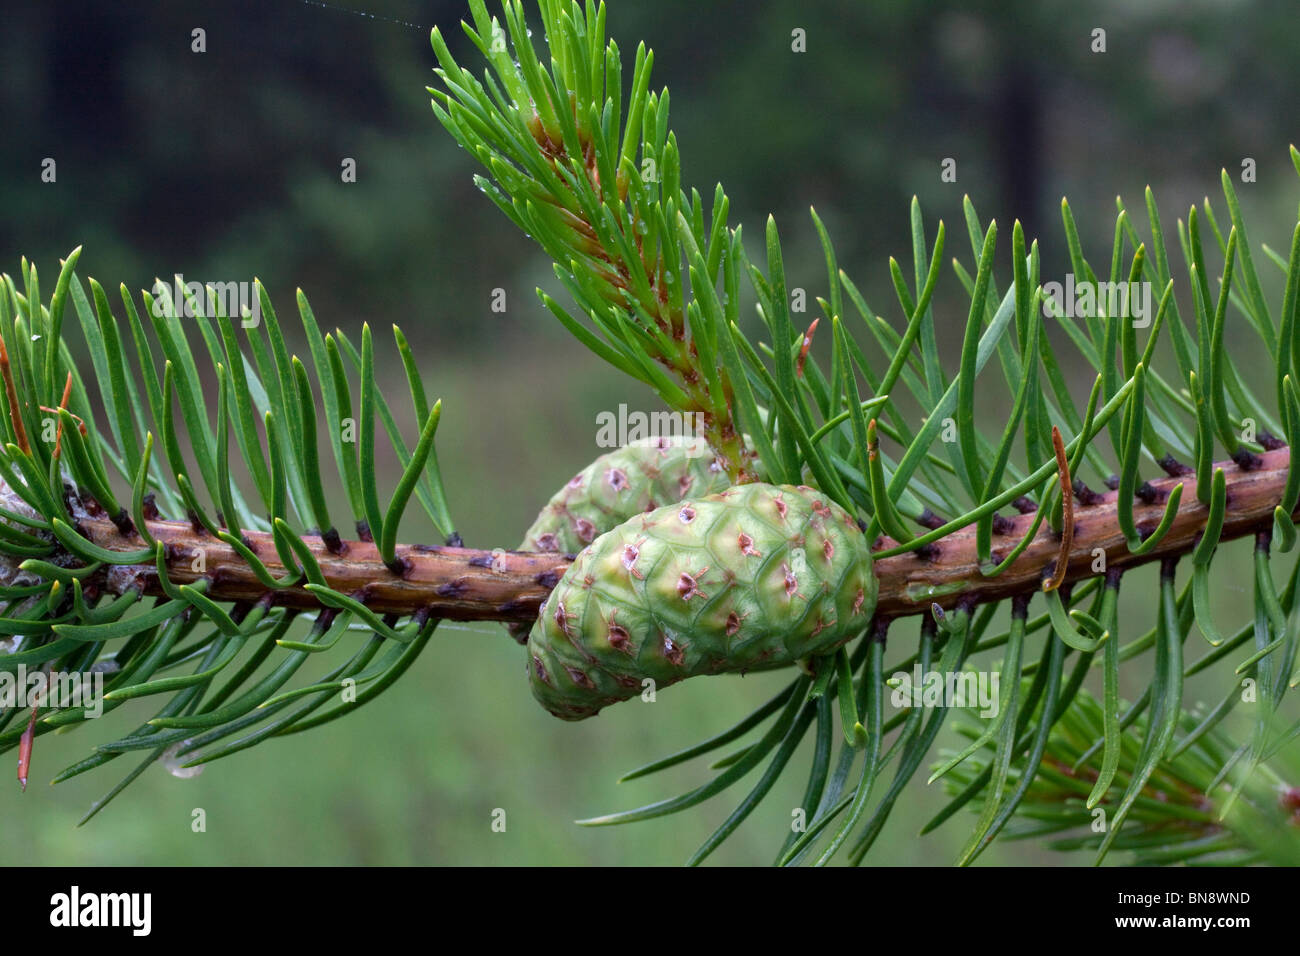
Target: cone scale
x,y
634,479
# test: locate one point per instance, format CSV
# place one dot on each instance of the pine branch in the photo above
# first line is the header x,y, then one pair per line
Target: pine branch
x,y
466,584
201,612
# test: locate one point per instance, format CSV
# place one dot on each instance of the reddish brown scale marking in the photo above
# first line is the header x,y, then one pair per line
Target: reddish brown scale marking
x,y
675,653
747,546
780,506
576,481
579,677
616,478
828,550
857,601
734,621
585,530
688,587
684,484
617,634
561,618
820,627
686,515
791,582
631,552
540,669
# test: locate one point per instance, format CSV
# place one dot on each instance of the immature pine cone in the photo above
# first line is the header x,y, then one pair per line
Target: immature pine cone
x,y
616,486
620,484
755,577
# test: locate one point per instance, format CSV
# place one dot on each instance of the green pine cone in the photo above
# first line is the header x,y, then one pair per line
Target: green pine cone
x,y
616,486
634,479
758,576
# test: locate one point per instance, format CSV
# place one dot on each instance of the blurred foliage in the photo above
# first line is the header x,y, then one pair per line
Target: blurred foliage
x,y
226,164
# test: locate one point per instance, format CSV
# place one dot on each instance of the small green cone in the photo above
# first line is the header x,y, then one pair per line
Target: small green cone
x,y
616,486
636,478
756,577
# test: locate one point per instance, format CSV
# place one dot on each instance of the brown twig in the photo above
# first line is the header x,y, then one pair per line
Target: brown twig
x,y
466,584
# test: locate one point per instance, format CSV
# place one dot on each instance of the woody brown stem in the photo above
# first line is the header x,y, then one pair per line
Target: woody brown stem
x,y
466,584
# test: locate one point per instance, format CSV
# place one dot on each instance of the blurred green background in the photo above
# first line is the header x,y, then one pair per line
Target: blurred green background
x,y
226,164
